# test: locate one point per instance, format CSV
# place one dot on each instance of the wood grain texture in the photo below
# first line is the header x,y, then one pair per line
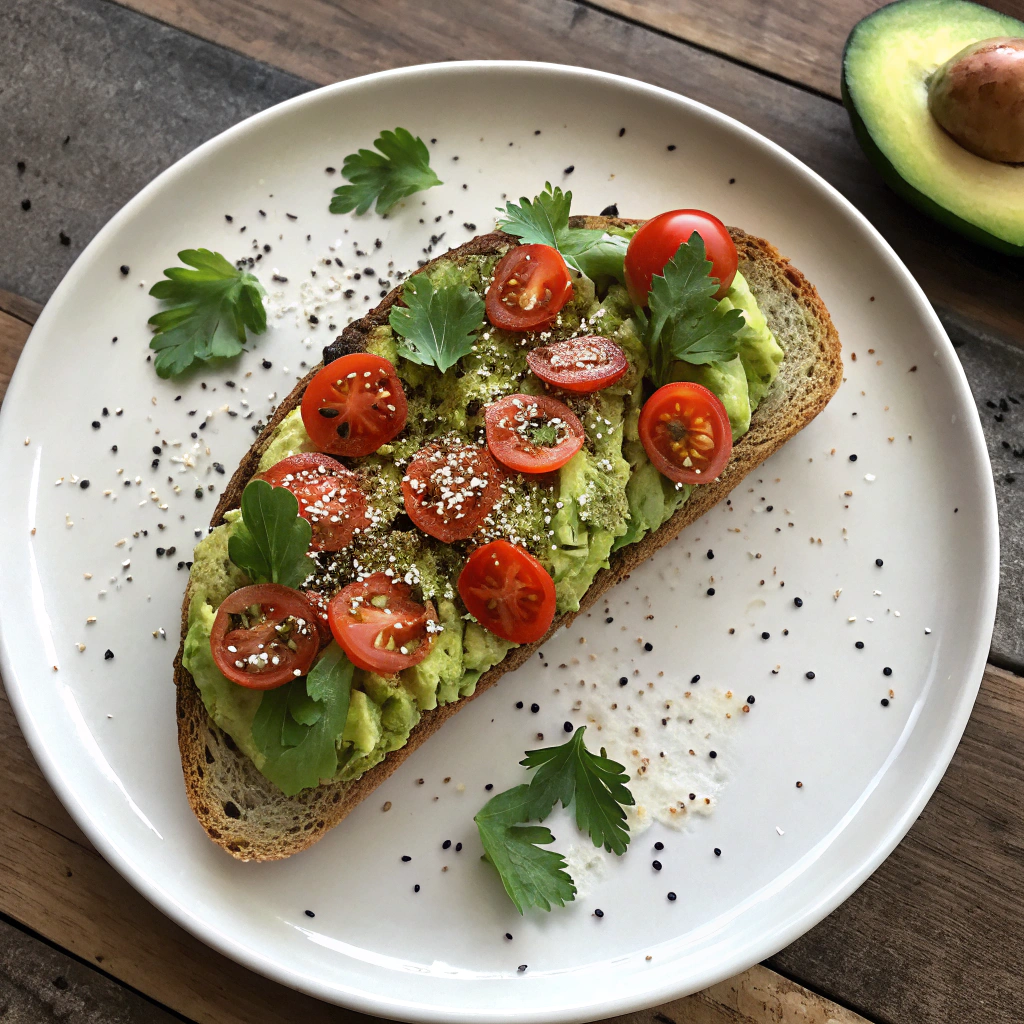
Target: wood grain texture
x,y
329,40
52,881
800,40
19,307
13,335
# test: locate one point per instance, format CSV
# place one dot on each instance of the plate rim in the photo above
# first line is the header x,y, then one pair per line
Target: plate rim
x,y
643,995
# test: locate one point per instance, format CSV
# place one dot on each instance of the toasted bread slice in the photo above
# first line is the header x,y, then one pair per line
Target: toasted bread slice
x,y
247,814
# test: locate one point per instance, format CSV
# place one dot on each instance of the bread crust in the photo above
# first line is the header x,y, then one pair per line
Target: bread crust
x,y
244,812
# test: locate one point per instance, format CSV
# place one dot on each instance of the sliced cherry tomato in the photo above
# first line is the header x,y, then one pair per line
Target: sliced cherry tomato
x,y
686,433
380,627
329,497
658,240
354,405
531,284
532,433
264,636
579,364
508,592
449,487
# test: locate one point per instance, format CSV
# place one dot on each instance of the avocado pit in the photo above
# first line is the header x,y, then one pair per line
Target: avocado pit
x,y
977,97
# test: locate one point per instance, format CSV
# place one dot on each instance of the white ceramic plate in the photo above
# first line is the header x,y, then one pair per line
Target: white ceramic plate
x,y
809,524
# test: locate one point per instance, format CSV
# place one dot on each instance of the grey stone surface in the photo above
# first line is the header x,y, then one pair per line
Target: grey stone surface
x,y
130,95
40,985
995,371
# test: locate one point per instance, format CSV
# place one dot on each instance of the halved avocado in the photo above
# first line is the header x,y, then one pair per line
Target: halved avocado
x,y
889,59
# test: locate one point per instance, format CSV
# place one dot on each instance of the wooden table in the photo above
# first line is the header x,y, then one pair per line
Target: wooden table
x,y
96,97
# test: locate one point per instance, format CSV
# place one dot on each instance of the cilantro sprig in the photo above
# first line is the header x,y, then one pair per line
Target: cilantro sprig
x,y
400,168
298,726
436,324
568,774
270,542
544,220
685,322
210,308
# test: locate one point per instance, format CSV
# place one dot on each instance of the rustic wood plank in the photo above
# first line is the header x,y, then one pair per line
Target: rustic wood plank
x,y
52,881
19,307
937,934
800,40
42,985
327,40
13,335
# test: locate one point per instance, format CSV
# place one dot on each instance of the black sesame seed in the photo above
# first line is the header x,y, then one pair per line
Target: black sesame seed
x,y
711,553
712,754
108,655
96,426
711,591
610,211
672,896
446,845
656,864
160,552
885,702
718,852
859,645
623,680
878,562
489,786
519,704
750,699
659,845
21,166
508,935
567,726
569,169
535,708
696,678
521,968
799,785
156,449
648,646
84,484
670,148
765,636
693,796
309,913
458,847
809,675
125,269
406,858
26,204
853,458
886,671
599,912
622,131
416,888
798,601
64,239
609,619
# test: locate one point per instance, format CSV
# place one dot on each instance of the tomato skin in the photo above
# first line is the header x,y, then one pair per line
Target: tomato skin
x,y
508,592
658,240
365,631
329,497
277,604
531,284
692,417
508,422
582,365
439,495
354,405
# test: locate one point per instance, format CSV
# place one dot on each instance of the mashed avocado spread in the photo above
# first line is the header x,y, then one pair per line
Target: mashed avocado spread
x,y
607,496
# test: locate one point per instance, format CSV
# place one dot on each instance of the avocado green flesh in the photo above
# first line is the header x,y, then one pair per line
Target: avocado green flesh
x,y
889,58
607,496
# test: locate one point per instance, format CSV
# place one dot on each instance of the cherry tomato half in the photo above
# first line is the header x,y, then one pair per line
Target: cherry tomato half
x,y
379,626
532,433
686,433
531,284
329,496
449,487
508,592
354,405
264,636
658,240
582,365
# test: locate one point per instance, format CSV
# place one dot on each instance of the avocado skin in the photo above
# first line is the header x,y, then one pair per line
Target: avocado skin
x,y
899,184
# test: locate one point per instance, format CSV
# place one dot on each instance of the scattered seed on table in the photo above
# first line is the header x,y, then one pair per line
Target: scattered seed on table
x,y
406,858
853,458
878,562
623,680
886,671
656,864
446,845
712,754
885,702
599,912
718,852
535,708
809,675
750,699
696,678
765,636
567,726
859,645
798,601
309,913
672,896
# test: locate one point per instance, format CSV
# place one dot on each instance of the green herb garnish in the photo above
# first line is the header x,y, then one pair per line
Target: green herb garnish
x,y
211,306
436,325
545,221
270,542
298,726
401,168
685,321
566,774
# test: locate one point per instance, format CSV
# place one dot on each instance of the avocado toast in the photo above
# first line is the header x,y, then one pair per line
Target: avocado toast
x,y
250,816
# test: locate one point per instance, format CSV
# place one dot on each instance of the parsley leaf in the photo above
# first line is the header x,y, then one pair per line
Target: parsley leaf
x,y
436,325
298,726
570,772
685,322
210,308
545,220
269,543
605,258
401,168
532,877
